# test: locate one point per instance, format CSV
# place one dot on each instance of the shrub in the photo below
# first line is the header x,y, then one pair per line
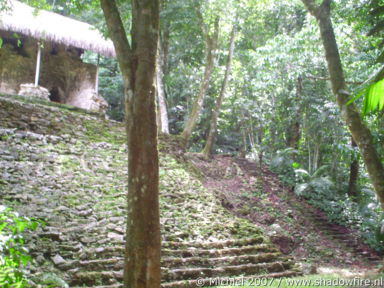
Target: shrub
x,y
13,254
320,191
282,164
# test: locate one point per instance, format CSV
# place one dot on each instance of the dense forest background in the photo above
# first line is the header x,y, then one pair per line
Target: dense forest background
x,y
278,106
251,78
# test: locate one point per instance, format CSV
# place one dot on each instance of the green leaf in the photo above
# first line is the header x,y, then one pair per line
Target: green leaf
x,y
2,226
25,259
296,165
1,42
381,99
358,95
34,225
374,97
21,225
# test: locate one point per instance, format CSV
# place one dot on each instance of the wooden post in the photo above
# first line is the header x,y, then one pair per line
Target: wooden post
x,y
97,74
38,60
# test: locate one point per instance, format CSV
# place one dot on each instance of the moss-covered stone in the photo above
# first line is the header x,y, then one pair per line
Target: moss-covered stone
x,y
70,169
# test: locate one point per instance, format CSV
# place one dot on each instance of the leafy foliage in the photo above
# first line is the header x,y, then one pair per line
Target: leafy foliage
x,y
373,97
14,256
282,164
365,216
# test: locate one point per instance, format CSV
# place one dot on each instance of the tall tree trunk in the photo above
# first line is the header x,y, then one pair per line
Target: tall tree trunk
x,y
138,66
295,131
353,174
165,47
243,149
360,132
164,124
243,130
211,45
207,151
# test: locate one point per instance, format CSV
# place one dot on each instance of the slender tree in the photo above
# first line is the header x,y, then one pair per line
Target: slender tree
x,y
353,174
210,48
163,113
294,132
138,65
360,132
207,151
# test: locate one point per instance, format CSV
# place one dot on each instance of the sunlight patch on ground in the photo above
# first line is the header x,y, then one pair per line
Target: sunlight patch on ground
x,y
326,277
342,272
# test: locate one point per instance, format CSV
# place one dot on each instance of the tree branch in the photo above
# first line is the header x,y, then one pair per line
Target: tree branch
x,y
117,33
310,76
311,6
200,19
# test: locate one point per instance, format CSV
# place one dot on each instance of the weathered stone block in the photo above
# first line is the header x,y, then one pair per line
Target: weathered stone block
x,y
30,89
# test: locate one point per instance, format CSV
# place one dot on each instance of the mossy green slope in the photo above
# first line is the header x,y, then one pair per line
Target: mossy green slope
x,y
74,178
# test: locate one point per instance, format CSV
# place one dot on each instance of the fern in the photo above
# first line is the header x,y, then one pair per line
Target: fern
x,y
373,97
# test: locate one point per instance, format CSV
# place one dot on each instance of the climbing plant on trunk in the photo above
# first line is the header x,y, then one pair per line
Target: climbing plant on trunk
x,y
360,132
138,65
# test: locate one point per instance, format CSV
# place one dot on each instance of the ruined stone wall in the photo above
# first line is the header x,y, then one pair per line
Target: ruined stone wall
x,y
68,79
16,65
24,114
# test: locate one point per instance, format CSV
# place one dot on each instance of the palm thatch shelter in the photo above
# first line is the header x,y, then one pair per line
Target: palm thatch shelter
x,y
30,37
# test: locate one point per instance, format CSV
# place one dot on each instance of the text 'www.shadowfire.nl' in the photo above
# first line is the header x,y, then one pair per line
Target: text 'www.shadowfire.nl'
x,y
289,282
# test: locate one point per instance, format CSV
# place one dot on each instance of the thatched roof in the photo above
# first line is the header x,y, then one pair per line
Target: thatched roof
x,y
41,24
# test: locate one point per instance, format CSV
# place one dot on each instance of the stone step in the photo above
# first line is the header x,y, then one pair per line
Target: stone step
x,y
117,251
245,269
112,264
217,244
93,278
172,262
245,250
104,286
117,237
102,252
237,280
116,264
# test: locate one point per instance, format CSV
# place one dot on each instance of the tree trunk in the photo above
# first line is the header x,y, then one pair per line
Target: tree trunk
x,y
165,48
207,151
295,130
138,66
164,124
243,130
243,149
353,174
293,133
360,132
211,45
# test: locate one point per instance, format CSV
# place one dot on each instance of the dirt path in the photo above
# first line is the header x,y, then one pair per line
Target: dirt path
x,y
300,230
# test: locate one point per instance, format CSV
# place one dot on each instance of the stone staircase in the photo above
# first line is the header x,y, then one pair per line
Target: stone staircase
x,y
186,264
82,241
349,239
72,176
